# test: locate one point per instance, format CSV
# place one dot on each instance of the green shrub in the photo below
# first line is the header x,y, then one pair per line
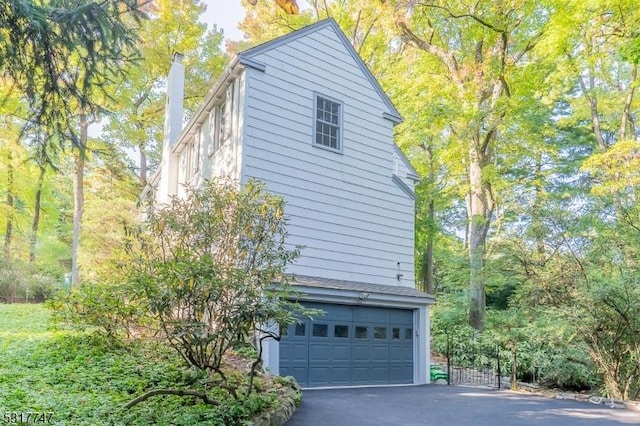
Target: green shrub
x,y
108,308
22,282
86,379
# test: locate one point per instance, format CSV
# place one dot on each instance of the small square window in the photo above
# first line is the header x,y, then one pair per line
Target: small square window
x,y
300,330
361,332
341,331
320,330
395,333
408,333
380,333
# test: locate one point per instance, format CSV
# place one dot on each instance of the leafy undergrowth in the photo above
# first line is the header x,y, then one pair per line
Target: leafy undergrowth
x,y
86,380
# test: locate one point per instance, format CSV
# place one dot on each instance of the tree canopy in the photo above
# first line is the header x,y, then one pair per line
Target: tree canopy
x,y
60,54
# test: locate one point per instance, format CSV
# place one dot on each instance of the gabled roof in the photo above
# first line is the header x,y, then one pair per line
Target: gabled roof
x,y
247,55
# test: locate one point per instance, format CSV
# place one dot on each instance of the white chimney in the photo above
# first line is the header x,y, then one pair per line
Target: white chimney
x,y
174,114
174,111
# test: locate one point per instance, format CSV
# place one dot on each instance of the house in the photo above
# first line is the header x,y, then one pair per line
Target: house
x,y
304,114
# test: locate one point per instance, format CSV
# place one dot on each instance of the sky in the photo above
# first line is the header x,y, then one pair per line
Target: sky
x,y
226,14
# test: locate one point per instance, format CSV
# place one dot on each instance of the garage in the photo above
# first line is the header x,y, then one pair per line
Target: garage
x,y
349,346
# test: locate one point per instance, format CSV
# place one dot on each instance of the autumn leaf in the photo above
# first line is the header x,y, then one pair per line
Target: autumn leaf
x,y
289,6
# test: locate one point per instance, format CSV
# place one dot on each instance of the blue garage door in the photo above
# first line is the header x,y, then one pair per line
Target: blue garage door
x,y
350,345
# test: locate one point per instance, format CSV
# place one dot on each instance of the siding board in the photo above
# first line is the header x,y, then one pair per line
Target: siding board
x,y
353,220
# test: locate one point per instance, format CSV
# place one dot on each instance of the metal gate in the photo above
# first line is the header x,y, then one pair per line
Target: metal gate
x,y
470,361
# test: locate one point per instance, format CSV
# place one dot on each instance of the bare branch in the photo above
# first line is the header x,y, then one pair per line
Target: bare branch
x,y
466,15
178,392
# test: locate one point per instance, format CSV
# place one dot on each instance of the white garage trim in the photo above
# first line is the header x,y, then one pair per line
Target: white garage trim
x,y
419,303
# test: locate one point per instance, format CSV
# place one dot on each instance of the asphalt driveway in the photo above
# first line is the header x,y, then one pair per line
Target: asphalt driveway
x,y
448,406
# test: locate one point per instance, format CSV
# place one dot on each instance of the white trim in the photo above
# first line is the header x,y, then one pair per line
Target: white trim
x,y
396,179
392,118
413,174
351,297
421,326
250,63
340,140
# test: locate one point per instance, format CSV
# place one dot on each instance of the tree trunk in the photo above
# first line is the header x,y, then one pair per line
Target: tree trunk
x,y
427,265
514,370
10,205
35,224
428,284
143,166
538,225
78,199
478,225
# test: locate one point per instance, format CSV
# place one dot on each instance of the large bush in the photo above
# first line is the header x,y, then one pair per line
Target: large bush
x,y
204,273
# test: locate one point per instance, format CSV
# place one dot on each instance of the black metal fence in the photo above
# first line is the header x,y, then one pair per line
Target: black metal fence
x,y
472,361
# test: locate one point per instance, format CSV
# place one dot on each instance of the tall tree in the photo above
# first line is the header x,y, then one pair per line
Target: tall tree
x,y
43,152
40,44
479,48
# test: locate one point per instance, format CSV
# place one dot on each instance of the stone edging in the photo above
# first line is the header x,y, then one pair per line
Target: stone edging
x,y
280,415
580,397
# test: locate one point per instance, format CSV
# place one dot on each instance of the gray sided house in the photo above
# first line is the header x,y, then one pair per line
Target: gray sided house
x,y
304,114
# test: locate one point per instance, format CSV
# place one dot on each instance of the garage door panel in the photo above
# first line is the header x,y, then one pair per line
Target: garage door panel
x,y
401,373
329,376
300,373
351,345
341,352
319,352
361,353
333,312
401,352
294,352
319,375
360,375
401,316
370,314
380,353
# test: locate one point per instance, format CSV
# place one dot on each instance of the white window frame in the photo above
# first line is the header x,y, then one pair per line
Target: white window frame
x,y
214,142
194,146
226,113
340,125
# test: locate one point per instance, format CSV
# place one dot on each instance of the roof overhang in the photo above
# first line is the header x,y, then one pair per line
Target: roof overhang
x,y
359,293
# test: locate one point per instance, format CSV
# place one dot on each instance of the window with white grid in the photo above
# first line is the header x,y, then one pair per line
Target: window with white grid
x,y
328,123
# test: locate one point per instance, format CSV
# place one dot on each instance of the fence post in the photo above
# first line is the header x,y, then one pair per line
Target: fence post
x,y
514,369
448,359
499,372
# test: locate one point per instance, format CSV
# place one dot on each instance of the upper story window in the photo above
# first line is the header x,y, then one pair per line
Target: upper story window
x,y
328,123
225,115
221,121
194,147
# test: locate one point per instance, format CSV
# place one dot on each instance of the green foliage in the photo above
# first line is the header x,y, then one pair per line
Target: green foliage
x,y
24,282
206,266
610,326
85,379
106,308
85,43
205,274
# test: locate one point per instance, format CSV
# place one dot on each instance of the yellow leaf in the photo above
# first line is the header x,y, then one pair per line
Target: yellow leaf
x,y
289,6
